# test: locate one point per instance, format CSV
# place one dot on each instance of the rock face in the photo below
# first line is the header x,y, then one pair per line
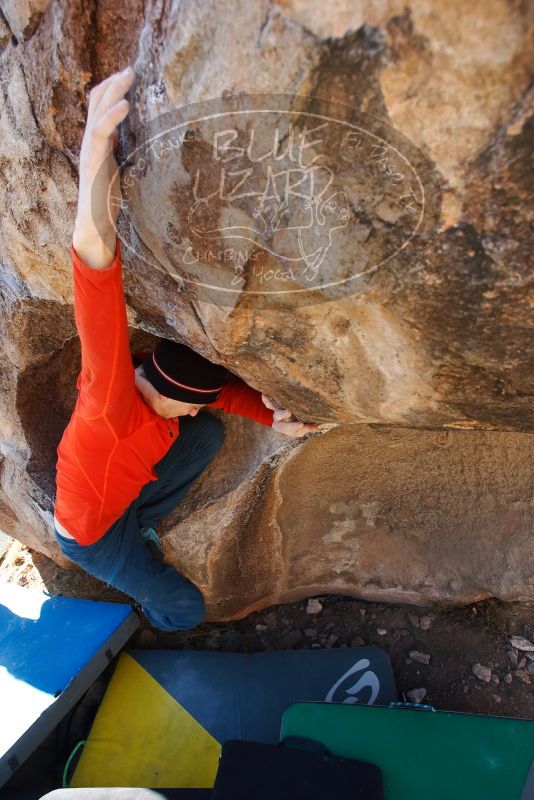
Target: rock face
x,y
423,491
368,511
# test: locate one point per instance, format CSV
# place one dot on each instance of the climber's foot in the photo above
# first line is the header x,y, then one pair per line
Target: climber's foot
x,y
153,542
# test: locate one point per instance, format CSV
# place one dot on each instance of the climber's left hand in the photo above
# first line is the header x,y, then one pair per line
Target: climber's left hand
x,y
284,421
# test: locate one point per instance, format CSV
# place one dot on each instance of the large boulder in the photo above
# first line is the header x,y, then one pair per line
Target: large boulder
x,y
370,511
422,491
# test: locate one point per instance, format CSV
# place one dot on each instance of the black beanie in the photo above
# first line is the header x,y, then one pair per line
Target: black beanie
x,y
177,371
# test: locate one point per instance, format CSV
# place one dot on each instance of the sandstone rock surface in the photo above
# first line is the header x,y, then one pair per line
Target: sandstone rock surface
x,y
423,491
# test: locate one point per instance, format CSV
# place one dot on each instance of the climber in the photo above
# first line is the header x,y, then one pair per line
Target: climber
x,y
135,442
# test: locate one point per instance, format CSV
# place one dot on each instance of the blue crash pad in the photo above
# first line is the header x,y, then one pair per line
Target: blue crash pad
x,y
51,651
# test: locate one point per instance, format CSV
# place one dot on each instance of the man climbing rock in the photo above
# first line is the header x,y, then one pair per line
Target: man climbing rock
x,y
135,442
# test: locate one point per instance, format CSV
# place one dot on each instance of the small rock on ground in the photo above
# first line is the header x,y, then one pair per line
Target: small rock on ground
x,y
512,657
481,672
421,658
520,643
313,606
416,695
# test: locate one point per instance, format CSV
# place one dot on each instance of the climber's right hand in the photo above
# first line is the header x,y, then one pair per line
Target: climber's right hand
x,y
99,196
285,422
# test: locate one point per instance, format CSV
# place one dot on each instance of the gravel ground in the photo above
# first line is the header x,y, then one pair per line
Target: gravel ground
x,y
457,659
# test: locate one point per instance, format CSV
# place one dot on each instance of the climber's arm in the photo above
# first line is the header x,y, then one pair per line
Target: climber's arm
x,y
237,397
94,232
106,381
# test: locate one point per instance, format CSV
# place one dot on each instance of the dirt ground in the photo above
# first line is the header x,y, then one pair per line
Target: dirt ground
x,y
452,640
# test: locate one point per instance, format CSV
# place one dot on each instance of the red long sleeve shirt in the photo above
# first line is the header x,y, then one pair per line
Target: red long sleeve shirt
x,y
114,438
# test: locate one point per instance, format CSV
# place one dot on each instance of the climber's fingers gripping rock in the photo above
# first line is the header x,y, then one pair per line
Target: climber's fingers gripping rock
x,y
284,421
295,429
99,196
107,109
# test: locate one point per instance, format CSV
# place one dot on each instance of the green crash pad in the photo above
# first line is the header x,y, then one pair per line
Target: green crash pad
x,y
424,753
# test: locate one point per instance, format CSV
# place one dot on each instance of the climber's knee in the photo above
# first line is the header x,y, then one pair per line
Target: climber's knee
x,y
197,609
181,612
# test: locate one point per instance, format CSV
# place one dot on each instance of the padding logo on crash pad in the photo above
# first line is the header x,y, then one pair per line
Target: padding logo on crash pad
x,y
367,685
